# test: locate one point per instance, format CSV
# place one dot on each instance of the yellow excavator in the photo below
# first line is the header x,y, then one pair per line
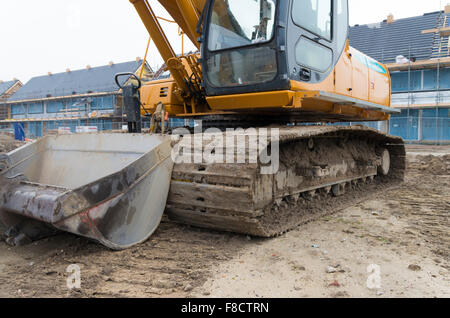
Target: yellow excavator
x,y
268,83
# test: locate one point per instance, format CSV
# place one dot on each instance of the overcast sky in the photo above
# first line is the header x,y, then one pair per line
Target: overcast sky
x,y
38,36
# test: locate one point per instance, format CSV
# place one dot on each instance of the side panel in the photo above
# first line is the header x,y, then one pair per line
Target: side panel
x,y
343,74
378,81
164,91
352,78
360,74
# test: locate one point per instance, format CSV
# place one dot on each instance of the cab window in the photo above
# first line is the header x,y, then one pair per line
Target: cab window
x,y
236,23
314,16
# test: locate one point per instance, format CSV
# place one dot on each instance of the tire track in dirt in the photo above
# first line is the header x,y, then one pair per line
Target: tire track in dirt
x,y
176,260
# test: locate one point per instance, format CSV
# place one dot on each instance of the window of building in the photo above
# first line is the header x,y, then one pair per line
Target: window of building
x,y
108,102
103,103
404,81
444,112
429,80
18,109
35,129
55,106
444,78
314,16
107,124
400,82
96,102
415,80
76,104
423,80
407,113
36,108
51,125
429,113
72,104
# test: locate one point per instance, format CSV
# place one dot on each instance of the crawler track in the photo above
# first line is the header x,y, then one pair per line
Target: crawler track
x,y
322,169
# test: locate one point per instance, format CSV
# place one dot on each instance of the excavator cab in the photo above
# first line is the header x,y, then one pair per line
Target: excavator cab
x,y
263,45
289,61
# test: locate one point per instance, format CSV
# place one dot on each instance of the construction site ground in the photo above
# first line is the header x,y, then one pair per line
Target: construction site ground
x,y
404,232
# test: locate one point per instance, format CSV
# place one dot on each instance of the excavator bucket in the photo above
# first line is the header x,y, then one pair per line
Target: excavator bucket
x,y
111,188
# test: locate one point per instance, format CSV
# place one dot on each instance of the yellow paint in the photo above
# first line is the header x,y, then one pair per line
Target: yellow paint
x,y
186,13
351,77
145,59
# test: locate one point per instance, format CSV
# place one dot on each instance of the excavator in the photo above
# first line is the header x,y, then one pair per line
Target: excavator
x,y
271,82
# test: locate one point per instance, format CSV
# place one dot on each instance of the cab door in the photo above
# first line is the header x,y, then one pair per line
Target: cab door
x,y
317,35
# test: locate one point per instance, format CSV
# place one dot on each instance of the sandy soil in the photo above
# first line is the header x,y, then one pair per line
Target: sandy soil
x,y
405,231
7,143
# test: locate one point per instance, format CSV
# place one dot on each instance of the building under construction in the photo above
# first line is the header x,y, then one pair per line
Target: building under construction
x,y
416,50
65,101
7,89
417,53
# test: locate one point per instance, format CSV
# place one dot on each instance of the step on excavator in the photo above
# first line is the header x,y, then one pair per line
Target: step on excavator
x,y
272,79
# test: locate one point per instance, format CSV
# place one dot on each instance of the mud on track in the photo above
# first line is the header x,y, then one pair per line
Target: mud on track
x,y
408,225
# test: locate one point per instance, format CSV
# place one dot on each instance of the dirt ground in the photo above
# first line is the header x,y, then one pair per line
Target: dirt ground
x,y
7,143
404,232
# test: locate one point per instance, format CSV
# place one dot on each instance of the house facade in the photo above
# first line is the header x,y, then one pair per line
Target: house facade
x,y
416,51
7,89
72,100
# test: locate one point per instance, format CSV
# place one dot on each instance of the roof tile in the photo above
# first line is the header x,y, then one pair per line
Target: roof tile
x,y
5,86
93,80
385,41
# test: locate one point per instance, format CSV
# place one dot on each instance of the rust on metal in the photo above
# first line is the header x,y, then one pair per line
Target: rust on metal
x,y
110,188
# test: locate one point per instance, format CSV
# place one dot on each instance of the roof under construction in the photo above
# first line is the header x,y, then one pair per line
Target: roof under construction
x,y
5,86
78,82
410,37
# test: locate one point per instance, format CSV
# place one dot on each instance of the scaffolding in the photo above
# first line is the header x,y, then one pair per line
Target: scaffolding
x,y
417,53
